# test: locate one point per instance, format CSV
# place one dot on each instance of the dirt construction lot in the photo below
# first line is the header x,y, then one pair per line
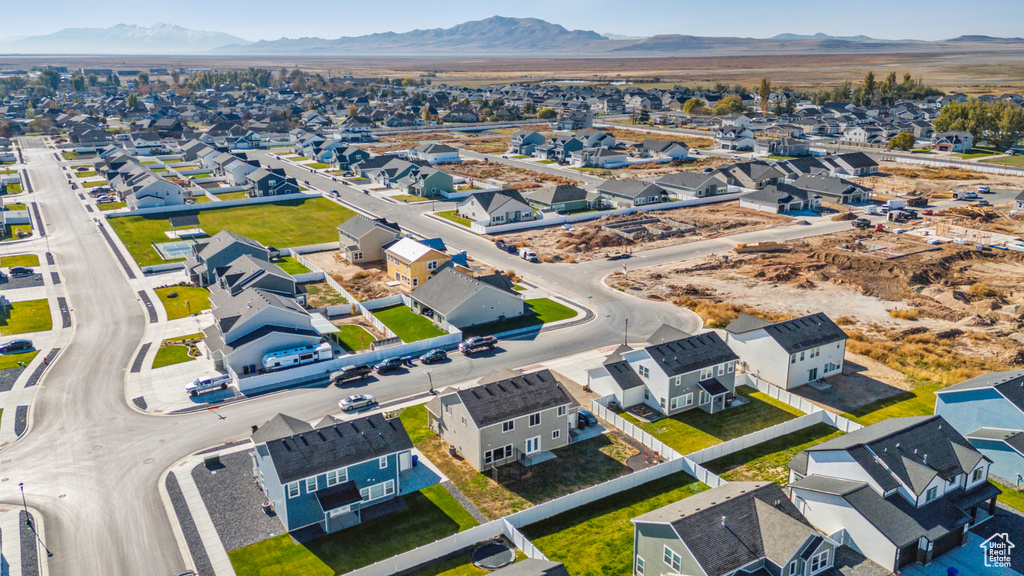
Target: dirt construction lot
x,y
898,179
590,241
517,178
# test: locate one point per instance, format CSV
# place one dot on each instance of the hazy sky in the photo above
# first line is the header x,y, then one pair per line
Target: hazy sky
x,y
272,19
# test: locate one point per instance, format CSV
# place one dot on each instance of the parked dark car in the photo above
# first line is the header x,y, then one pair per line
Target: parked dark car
x,y
585,418
21,271
861,223
501,245
435,355
388,365
351,373
15,346
477,343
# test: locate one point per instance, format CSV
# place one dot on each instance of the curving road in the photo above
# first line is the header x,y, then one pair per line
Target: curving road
x,y
92,465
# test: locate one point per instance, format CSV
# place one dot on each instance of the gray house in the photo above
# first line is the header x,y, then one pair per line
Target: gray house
x,y
512,419
363,239
454,298
327,476
693,184
524,142
629,192
248,272
833,189
221,250
493,208
737,529
563,198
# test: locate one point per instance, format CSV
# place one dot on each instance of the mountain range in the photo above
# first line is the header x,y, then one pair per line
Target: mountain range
x,y
120,39
495,36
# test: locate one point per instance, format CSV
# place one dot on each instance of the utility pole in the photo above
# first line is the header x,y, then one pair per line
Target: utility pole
x,y
430,379
625,333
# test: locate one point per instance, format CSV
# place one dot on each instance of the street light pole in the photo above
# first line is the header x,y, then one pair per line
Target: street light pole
x,y
430,379
625,333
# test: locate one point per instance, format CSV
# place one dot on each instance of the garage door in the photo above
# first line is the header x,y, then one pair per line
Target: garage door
x,y
947,543
907,555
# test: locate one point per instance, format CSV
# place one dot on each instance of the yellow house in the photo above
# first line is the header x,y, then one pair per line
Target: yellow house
x,y
411,262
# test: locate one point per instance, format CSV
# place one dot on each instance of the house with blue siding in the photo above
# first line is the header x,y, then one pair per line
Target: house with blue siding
x,y
330,474
989,411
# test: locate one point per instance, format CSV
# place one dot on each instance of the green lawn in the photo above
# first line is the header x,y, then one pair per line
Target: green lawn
x,y
317,165
597,539
432,514
12,360
545,161
406,324
14,188
918,402
450,215
69,155
768,461
183,339
409,198
358,179
781,157
538,311
354,337
188,300
14,206
231,195
94,184
518,288
1011,497
292,266
15,231
24,317
158,170
19,260
978,152
107,206
695,429
85,174
280,224
173,354
1016,161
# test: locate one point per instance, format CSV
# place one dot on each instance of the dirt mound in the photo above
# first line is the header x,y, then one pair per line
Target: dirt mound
x,y
590,239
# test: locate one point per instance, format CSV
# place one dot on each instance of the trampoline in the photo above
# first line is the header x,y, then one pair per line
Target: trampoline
x,y
493,555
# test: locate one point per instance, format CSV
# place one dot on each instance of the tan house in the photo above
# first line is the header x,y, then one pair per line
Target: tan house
x,y
412,262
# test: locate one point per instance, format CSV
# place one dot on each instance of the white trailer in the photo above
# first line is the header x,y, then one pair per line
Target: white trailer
x,y
297,357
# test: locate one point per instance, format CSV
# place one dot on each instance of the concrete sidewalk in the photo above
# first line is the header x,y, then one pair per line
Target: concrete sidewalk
x,y
11,560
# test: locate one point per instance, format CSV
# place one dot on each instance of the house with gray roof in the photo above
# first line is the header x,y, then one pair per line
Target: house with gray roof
x,y
325,477
670,376
832,189
517,418
248,272
737,529
434,153
686,185
454,298
524,142
561,198
362,239
791,353
630,192
494,208
989,411
207,258
780,199
901,491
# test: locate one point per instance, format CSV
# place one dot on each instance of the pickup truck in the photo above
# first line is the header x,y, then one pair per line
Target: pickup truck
x,y
477,343
351,373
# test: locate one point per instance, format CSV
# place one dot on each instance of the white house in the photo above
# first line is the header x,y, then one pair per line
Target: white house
x,y
434,153
152,191
791,353
902,491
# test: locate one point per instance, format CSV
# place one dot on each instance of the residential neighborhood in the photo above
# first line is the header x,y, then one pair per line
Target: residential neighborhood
x,y
510,297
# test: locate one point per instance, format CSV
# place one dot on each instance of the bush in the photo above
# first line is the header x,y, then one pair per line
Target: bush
x,y
720,314
172,294
845,320
983,290
912,314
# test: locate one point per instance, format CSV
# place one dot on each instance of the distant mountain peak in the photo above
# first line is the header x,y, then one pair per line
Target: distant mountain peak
x,y
121,39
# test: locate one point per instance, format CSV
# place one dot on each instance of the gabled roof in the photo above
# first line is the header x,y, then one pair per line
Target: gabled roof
x,y
760,522
409,250
224,239
557,194
491,201
1009,383
315,452
449,288
510,398
691,353
630,188
805,332
279,426
666,333
359,226
746,323
244,269
623,375
1012,438
690,180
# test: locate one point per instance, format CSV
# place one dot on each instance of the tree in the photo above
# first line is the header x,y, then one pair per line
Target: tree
x,y
49,78
142,78
175,77
78,82
92,79
764,92
352,110
1000,124
426,113
546,114
529,108
694,106
902,141
133,100
790,105
645,115
731,104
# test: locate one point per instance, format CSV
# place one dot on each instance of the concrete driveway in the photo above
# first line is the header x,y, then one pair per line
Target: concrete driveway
x,y
968,560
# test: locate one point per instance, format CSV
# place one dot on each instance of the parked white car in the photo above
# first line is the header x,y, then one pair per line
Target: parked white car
x,y
208,383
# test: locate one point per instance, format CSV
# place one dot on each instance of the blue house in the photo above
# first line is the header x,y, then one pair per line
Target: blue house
x,y
989,411
328,475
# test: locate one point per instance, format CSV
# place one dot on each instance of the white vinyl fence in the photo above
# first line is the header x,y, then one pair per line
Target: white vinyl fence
x,y
758,437
802,404
633,431
972,166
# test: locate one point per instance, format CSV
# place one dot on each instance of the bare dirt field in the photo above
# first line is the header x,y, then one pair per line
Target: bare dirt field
x,y
590,241
517,178
365,282
625,134
899,179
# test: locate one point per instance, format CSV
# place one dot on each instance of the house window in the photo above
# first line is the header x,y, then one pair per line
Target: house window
x,y
802,355
816,352
311,484
337,476
792,568
293,489
463,420
643,370
792,359
730,367
561,410
534,420
977,474
555,434
415,281
639,566
357,255
448,408
706,373
931,494
704,397
676,380
721,369
673,560
819,562
498,454
377,491
432,265
382,462
508,426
